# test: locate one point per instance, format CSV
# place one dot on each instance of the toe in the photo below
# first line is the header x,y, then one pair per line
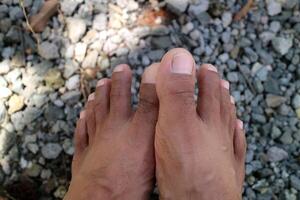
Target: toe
x,y
175,86
209,95
228,115
120,94
147,111
102,100
80,139
239,143
90,117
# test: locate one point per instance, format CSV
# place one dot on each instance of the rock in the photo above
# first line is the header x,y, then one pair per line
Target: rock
x,y
34,170
286,138
7,139
201,6
53,79
4,66
70,68
2,112
80,51
276,132
68,146
298,113
76,29
177,6
73,82
282,45
69,6
33,148
90,60
276,154
273,7
272,86
233,77
15,103
296,101
295,182
161,42
260,71
274,101
18,60
54,113
275,26
71,97
48,50
60,192
51,150
188,27
226,19
100,22
156,55
4,92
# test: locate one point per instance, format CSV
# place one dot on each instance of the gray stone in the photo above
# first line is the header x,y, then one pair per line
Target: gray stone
x,y
4,66
286,138
33,148
71,97
233,77
76,29
273,7
100,22
156,54
199,7
274,101
2,112
295,182
51,150
70,68
275,132
68,146
276,154
53,113
73,82
34,170
275,26
296,101
48,50
161,42
177,6
7,139
226,19
282,45
69,6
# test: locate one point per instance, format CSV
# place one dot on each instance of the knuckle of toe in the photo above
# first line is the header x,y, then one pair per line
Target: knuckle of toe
x,y
147,105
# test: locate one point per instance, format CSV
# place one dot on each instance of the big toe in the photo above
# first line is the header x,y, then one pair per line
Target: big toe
x,y
175,86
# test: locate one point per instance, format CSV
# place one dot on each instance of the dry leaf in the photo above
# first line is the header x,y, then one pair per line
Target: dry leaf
x,y
39,21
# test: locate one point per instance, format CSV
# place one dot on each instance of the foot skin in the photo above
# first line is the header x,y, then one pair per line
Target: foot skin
x,y
199,147
114,156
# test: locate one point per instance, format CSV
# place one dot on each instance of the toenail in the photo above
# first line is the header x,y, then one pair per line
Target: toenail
x,y
82,114
91,97
101,82
119,68
240,124
211,68
182,63
225,84
232,100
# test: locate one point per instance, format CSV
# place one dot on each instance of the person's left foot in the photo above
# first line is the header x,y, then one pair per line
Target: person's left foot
x,y
114,150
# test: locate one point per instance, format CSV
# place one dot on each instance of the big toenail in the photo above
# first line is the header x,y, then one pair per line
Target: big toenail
x,y
101,82
211,68
240,124
91,97
182,63
119,68
225,84
82,114
232,100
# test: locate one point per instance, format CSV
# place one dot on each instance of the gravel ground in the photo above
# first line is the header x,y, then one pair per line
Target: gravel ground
x,y
42,91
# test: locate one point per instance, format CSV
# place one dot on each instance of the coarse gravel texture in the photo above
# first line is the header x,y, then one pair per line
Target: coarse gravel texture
x,y
43,86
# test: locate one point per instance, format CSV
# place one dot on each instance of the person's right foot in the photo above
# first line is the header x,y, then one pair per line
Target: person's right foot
x,y
199,148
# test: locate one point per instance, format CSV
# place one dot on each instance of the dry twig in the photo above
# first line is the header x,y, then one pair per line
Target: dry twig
x,y
244,11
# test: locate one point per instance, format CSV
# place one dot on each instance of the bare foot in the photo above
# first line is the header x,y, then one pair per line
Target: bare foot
x,y
114,156
199,148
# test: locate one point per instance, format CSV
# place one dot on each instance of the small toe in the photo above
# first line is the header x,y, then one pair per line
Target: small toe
x,y
209,95
102,100
80,140
120,94
228,115
90,117
239,142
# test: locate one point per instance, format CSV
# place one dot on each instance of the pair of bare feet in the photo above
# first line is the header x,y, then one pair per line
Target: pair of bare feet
x,y
196,150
